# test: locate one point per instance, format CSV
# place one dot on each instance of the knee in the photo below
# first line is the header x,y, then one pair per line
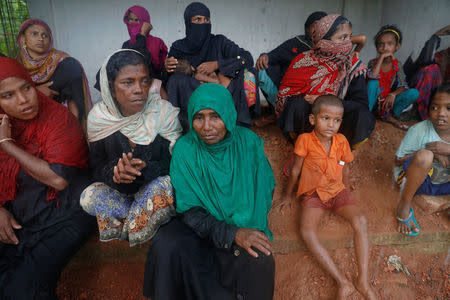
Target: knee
x,y
87,198
423,158
359,223
412,93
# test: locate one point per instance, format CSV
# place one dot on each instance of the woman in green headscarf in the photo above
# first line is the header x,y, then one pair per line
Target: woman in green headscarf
x,y
220,245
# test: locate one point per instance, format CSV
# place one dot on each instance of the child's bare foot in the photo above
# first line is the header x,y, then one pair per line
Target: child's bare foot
x,y
344,291
363,286
397,123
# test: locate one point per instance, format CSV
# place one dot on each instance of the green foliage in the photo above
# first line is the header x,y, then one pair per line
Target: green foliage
x,y
12,14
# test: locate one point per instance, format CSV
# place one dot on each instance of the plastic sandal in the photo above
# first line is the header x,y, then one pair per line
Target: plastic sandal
x,y
263,122
407,222
288,166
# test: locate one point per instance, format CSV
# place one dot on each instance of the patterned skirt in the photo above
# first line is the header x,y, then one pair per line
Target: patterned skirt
x,y
135,218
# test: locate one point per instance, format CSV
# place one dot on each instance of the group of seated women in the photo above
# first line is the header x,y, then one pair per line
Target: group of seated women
x,y
202,198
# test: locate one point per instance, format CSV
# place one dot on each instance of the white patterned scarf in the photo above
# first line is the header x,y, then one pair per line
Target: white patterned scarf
x,y
157,117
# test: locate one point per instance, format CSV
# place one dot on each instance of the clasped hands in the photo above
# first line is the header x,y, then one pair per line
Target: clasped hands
x,y
128,168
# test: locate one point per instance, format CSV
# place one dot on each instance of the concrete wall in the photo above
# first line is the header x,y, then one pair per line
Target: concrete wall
x,y
90,30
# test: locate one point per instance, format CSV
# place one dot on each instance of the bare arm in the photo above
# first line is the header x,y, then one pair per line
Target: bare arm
x,y
71,105
289,195
359,41
376,69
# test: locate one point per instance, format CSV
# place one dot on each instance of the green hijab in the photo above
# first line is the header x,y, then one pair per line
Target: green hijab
x,y
231,179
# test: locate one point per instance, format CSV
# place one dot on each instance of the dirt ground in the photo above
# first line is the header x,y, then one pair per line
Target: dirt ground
x,y
297,274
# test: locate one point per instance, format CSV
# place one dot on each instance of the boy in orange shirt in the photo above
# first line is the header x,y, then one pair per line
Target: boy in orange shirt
x,y
320,157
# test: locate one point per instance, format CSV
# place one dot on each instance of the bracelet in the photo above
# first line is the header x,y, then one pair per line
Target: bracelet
x,y
7,139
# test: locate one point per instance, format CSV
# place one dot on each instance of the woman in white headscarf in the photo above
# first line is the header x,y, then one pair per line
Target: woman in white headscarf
x,y
131,134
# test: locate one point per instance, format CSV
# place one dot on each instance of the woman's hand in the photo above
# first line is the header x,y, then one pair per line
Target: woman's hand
x,y
46,90
247,238
146,27
262,62
208,67
388,102
127,169
7,226
5,127
311,98
438,148
170,64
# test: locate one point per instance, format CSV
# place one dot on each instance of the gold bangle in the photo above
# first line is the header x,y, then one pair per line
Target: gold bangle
x,y
7,139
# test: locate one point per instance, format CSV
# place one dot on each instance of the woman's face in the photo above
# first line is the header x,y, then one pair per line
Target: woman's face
x,y
197,19
209,126
37,40
18,98
342,34
131,88
132,18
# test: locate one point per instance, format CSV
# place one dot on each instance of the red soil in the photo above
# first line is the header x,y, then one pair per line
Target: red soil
x,y
297,274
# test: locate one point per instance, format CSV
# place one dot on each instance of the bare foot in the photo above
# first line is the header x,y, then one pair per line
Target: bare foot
x,y
397,123
345,290
364,287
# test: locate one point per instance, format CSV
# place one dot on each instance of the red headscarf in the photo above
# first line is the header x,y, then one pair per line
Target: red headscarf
x,y
327,68
155,45
54,135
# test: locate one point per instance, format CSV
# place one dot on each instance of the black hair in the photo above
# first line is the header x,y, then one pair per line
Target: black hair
x,y
315,16
330,100
341,20
2,55
120,60
444,88
391,29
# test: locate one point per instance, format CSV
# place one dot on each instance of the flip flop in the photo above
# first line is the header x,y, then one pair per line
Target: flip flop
x,y
263,122
407,222
288,166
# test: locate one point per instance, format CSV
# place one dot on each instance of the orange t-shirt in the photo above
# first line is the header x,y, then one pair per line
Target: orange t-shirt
x,y
322,172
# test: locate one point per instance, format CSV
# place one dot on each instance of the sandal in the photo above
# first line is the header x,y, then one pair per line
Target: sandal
x,y
407,222
263,122
288,166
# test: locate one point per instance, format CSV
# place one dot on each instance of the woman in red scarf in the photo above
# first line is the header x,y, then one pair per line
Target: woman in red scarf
x,y
330,67
43,164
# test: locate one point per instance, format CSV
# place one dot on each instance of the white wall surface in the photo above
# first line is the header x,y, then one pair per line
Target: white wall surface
x,y
90,30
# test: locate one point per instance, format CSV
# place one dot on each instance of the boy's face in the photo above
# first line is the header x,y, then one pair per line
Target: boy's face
x,y
327,122
387,44
440,112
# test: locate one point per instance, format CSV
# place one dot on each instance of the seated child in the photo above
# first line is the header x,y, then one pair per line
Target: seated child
x,y
423,159
320,158
387,88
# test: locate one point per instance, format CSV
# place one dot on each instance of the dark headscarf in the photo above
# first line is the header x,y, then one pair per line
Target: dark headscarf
x,y
196,43
315,16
